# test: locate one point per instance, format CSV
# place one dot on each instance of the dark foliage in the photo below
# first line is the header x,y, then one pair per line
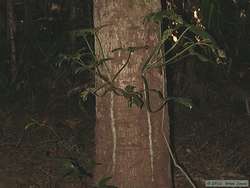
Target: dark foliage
x,y
45,29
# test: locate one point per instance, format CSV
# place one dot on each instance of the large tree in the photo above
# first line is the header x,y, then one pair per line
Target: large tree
x,y
130,142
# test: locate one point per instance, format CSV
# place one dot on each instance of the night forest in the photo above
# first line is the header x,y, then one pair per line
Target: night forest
x,y
84,83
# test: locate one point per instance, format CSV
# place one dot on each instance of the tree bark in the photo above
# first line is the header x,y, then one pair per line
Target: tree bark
x,y
130,142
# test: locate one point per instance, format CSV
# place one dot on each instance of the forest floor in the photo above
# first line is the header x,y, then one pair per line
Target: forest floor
x,y
212,145
46,149
37,149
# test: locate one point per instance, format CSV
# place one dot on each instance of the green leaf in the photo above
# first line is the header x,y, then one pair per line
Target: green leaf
x,y
221,53
84,94
133,96
78,70
166,34
67,165
103,183
137,100
29,125
203,34
183,101
129,88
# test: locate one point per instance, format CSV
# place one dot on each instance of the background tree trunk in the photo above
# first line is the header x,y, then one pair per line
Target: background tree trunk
x,y
129,142
11,31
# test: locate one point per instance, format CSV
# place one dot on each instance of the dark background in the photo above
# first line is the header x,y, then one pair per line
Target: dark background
x,y
44,123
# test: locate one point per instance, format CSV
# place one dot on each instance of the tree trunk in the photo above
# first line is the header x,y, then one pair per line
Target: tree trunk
x,y
130,142
11,31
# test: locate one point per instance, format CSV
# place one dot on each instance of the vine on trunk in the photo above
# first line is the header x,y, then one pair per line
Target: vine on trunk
x,y
184,39
193,41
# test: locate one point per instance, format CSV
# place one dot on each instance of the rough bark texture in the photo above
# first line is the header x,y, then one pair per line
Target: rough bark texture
x,y
128,150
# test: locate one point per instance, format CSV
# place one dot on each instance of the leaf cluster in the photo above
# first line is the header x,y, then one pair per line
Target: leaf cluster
x,y
191,41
